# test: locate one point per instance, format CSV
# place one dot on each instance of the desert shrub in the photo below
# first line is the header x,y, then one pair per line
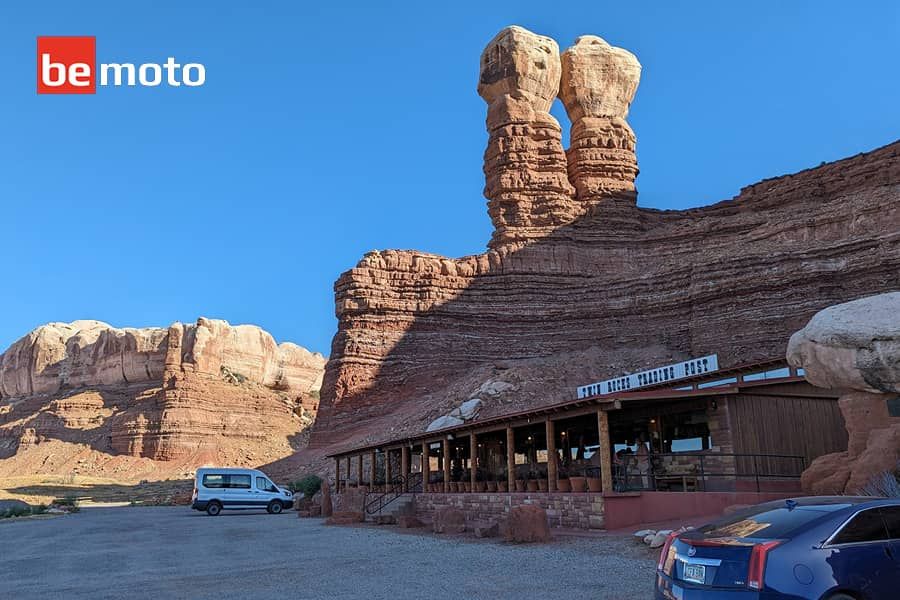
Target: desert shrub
x,y
308,485
886,484
70,503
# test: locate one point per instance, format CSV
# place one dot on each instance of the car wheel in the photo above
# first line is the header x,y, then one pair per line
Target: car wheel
x,y
275,507
213,508
841,596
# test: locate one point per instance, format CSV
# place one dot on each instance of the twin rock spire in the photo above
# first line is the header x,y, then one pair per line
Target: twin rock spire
x,y
533,186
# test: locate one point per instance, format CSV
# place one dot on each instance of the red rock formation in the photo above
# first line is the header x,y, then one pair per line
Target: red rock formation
x,y
208,392
579,282
855,346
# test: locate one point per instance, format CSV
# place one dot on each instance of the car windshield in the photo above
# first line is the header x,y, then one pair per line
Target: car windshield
x,y
766,522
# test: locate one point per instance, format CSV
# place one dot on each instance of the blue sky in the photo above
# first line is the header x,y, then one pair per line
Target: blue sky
x,y
326,130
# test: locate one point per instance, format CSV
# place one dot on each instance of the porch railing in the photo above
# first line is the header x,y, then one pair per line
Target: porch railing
x,y
687,471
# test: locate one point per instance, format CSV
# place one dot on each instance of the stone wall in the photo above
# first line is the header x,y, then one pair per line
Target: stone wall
x,y
573,511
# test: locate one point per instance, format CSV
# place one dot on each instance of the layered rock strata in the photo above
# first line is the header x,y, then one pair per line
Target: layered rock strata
x,y
579,282
208,390
855,347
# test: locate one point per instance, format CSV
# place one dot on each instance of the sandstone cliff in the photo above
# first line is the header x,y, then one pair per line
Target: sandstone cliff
x,y
579,282
204,392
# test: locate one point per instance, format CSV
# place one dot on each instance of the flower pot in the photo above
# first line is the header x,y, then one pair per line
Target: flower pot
x,y
594,484
578,483
467,487
520,485
543,485
563,485
479,486
454,487
532,485
502,486
492,486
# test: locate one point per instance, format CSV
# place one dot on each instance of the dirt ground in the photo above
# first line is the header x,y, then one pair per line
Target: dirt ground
x,y
43,489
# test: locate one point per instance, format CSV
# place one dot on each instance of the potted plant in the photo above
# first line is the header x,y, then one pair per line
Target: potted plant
x,y
479,481
454,487
593,480
520,485
577,482
562,480
491,484
503,486
532,484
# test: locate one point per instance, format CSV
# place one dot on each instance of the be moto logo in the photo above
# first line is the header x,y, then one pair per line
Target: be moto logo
x,y
68,65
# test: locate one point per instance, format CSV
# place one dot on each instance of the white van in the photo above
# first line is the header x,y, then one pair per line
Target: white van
x,y
217,488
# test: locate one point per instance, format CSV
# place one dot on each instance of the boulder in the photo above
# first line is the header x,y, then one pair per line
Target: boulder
x,y
659,538
486,529
348,517
468,410
327,505
408,522
449,519
527,523
444,422
854,347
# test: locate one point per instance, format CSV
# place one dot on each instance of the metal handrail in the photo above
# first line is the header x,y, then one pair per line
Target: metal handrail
x,y
653,471
400,485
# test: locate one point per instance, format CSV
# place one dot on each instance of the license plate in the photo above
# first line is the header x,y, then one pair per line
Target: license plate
x,y
695,573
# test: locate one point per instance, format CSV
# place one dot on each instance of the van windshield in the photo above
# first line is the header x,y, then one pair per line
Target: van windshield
x,y
265,485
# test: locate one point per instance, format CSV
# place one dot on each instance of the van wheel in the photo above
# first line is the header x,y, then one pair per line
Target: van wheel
x,y
214,508
275,507
841,596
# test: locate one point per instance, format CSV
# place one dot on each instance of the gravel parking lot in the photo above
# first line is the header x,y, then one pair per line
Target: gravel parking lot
x,y
173,552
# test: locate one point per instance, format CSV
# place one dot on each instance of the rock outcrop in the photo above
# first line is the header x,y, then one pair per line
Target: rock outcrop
x,y
207,391
579,283
855,347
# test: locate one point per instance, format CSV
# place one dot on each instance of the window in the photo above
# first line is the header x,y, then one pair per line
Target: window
x,y
214,481
239,482
866,526
891,516
265,485
764,522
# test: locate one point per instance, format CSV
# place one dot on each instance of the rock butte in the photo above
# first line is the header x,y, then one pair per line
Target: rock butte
x,y
87,397
854,347
579,283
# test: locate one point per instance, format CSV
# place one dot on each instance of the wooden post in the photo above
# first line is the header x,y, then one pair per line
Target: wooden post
x,y
446,457
348,472
426,467
337,475
473,462
404,464
359,471
387,469
605,451
373,470
510,459
552,457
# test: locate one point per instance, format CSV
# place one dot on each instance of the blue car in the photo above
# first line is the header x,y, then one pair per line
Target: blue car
x,y
828,548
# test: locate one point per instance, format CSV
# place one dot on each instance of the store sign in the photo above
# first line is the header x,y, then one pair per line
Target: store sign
x,y
673,372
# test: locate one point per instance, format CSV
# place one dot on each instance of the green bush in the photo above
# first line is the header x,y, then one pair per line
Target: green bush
x,y
309,485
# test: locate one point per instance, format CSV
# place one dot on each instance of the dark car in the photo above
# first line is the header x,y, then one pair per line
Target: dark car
x,y
834,548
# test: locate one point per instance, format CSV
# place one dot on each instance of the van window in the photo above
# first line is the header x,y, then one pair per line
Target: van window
x,y
214,481
265,485
239,482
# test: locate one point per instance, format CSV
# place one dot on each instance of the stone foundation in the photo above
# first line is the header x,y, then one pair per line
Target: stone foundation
x,y
574,511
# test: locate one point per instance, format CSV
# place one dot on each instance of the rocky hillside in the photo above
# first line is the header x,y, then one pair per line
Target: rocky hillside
x,y
88,398
581,283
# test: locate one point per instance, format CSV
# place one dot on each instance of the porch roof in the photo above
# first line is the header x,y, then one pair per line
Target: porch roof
x,y
610,401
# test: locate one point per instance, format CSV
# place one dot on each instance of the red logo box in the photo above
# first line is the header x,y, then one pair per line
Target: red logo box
x,y
66,65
